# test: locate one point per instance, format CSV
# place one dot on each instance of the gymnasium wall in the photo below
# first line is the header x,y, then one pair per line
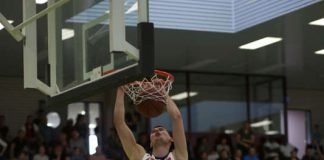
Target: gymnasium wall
x,y
16,103
312,100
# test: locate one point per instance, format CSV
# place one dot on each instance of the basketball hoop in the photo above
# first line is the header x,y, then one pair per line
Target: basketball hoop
x,y
157,88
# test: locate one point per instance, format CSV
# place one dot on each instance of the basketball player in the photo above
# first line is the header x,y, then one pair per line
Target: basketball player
x,y
161,141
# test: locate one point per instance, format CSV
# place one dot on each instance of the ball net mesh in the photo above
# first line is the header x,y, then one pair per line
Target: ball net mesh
x,y
157,88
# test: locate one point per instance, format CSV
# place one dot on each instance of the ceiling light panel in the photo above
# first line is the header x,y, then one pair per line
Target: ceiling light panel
x,y
260,43
41,1
319,22
319,51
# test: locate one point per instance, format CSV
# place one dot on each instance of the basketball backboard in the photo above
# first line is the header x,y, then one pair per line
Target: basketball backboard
x,y
92,45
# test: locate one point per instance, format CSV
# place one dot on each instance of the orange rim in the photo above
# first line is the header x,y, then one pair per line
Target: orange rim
x,y
164,74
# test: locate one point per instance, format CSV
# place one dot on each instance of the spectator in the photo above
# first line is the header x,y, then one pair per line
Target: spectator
x,y
309,154
293,154
131,123
317,149
213,155
46,132
68,128
31,130
3,146
97,131
3,128
77,154
41,155
285,148
203,155
252,155
23,155
98,155
31,134
114,150
271,148
63,141
81,126
245,138
58,153
224,155
18,144
237,154
201,146
190,149
316,135
224,146
77,141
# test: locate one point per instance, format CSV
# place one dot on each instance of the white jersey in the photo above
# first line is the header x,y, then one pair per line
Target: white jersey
x,y
151,157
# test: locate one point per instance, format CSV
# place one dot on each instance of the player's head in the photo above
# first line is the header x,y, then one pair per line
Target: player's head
x,y
160,136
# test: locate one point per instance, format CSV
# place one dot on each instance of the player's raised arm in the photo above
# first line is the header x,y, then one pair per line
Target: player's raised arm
x,y
179,138
131,148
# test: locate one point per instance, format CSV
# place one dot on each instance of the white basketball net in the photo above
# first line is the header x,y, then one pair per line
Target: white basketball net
x,y
154,89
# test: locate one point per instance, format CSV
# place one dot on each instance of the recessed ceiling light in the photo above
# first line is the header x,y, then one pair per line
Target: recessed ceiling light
x,y
41,1
319,51
1,26
260,43
183,95
319,22
67,33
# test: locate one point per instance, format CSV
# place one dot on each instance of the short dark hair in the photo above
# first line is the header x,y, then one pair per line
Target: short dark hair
x,y
158,126
161,126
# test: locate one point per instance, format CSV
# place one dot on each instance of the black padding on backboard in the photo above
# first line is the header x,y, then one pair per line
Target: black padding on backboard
x,y
146,45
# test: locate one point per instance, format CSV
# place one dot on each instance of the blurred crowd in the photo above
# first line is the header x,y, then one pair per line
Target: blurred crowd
x,y
38,141
246,145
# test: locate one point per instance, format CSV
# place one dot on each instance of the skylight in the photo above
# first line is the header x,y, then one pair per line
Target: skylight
x,y
229,16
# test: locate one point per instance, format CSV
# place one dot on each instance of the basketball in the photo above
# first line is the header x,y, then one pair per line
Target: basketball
x,y
150,95
151,108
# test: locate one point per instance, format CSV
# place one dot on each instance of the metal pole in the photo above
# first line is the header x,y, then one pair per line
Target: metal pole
x,y
40,14
188,101
248,100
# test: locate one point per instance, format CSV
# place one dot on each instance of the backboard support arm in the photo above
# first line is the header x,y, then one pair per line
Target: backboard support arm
x,y
30,51
117,28
15,31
